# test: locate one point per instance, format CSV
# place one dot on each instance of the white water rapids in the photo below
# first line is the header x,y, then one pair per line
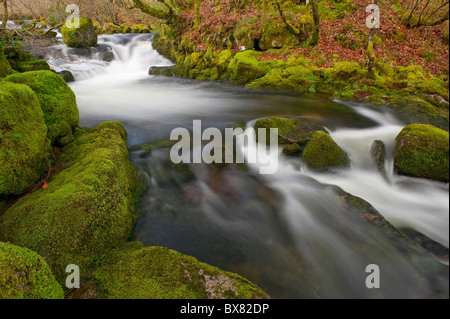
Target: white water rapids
x,y
297,243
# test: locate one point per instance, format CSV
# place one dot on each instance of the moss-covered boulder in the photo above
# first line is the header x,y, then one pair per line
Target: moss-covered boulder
x,y
136,272
322,152
5,68
86,209
25,275
245,67
289,130
57,101
84,36
33,65
162,71
423,151
25,151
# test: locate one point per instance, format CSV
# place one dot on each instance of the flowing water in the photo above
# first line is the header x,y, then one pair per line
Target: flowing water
x,y
288,232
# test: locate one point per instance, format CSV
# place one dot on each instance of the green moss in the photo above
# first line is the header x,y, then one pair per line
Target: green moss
x,y
272,81
136,272
114,126
25,151
57,101
289,130
423,151
87,208
84,36
245,67
302,78
34,65
26,275
322,152
5,68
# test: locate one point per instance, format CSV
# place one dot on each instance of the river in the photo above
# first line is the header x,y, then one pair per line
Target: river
x,y
287,232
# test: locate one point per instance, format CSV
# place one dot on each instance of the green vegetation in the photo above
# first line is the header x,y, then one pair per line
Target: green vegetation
x,y
423,151
322,152
136,272
26,275
33,65
25,151
57,101
5,68
87,208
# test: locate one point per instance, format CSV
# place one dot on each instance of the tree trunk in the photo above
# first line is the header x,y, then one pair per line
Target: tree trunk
x,y
293,29
5,14
316,31
198,17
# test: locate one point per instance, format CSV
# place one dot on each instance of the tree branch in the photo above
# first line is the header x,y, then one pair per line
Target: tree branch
x,y
286,22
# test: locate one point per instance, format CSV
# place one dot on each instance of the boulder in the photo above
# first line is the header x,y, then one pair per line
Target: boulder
x,y
423,151
33,65
292,149
378,152
25,151
289,130
57,101
136,272
322,153
67,76
168,71
87,208
25,275
5,68
84,36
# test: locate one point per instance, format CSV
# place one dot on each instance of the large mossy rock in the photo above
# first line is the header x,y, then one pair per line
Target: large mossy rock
x,y
289,130
245,67
86,209
136,272
57,101
5,68
322,152
25,151
423,151
84,36
25,275
33,65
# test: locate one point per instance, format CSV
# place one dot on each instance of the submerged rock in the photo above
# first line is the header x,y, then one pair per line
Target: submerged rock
x,y
57,101
162,70
84,36
25,275
67,76
378,152
423,151
322,152
136,272
292,149
289,130
25,151
33,65
86,209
